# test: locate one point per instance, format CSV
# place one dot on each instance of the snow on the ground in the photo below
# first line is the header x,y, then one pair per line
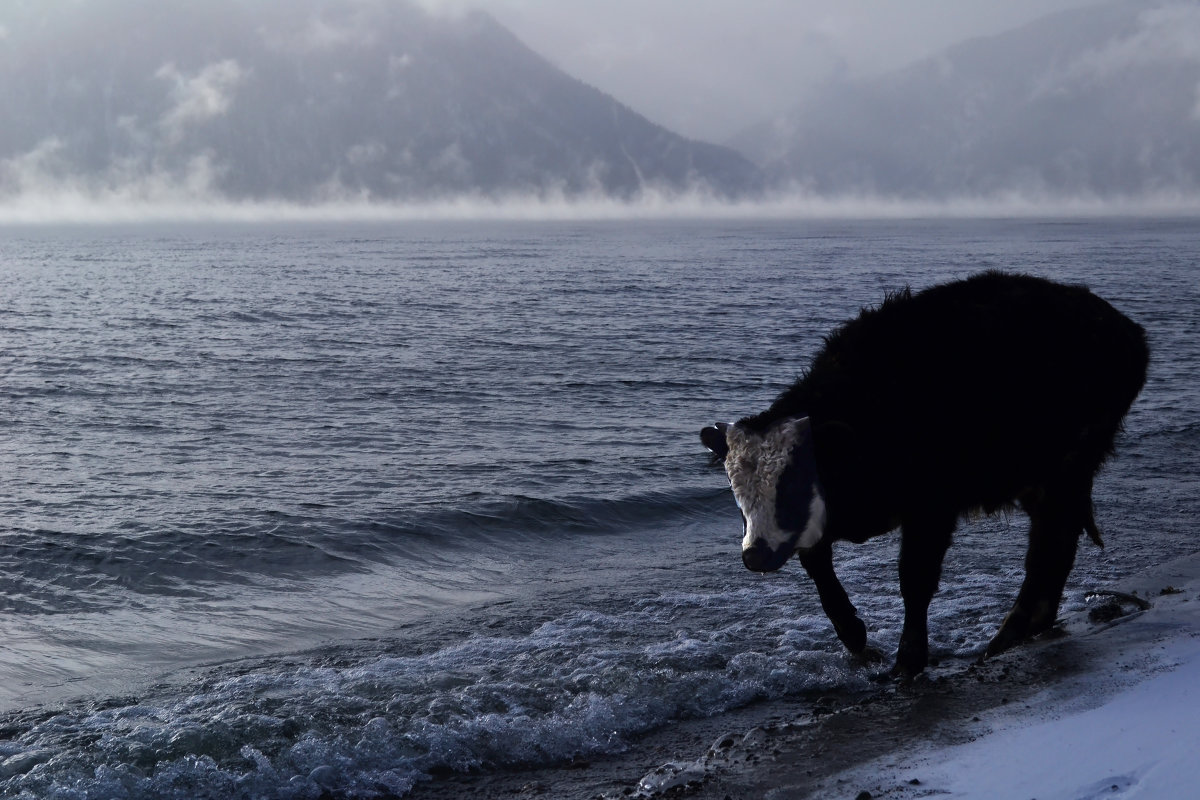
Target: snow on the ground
x,y
1144,742
1127,727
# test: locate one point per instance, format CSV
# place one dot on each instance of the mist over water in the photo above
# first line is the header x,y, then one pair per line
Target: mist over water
x,y
344,109
298,507
134,205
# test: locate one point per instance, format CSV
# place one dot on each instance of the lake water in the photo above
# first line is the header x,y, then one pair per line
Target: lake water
x,y
298,510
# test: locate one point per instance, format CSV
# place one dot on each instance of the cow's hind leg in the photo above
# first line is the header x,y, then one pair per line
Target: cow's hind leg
x,y
1056,520
923,543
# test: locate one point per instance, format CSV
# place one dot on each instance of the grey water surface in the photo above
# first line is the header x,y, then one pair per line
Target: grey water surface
x,y
299,511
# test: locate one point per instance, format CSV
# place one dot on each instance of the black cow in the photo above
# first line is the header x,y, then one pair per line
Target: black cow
x,y
978,395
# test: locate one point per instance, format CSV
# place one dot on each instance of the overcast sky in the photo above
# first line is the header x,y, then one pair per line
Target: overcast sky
x,y
706,68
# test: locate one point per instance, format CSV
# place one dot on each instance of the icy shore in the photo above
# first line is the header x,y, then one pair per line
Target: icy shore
x,y
1108,706
1111,709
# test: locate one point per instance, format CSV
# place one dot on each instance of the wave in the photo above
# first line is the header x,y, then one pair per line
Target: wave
x,y
538,516
47,571
374,720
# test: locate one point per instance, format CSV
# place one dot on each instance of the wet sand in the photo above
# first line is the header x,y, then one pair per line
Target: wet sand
x,y
891,741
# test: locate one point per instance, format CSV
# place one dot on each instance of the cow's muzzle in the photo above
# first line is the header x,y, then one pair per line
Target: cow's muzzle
x,y
758,557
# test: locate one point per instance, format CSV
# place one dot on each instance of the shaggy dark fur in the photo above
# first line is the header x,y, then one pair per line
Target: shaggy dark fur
x,y
981,394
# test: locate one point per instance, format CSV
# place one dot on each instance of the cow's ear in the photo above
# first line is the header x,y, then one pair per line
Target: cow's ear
x,y
713,438
803,429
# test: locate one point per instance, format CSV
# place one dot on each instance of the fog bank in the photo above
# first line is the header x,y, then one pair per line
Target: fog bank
x,y
79,207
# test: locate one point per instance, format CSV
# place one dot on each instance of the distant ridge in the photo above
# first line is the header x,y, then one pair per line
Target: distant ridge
x,y
1100,101
317,100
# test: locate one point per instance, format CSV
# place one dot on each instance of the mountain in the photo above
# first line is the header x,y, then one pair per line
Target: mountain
x,y
312,100
1101,101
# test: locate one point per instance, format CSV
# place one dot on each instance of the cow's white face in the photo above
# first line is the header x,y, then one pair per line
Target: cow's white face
x,y
774,482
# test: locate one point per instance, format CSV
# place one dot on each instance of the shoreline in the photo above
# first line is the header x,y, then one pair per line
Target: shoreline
x,y
940,734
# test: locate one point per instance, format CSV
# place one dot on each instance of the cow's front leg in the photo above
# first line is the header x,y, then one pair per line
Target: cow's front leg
x,y
923,543
818,563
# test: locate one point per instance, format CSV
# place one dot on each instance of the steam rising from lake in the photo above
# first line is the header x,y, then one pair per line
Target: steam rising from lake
x,y
135,204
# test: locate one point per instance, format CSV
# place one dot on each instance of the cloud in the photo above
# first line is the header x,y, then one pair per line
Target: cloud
x,y
1163,35
356,27
457,8
198,98
44,178
30,170
320,34
1171,33
365,154
710,68
397,66
1166,35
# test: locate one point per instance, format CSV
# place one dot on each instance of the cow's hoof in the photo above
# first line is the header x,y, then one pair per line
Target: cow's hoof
x,y
1006,639
853,633
869,655
910,661
1013,631
903,674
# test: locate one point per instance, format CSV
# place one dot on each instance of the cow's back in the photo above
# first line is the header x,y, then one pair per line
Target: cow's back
x,y
968,392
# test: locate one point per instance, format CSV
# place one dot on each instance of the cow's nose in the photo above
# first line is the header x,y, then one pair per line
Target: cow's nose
x,y
760,558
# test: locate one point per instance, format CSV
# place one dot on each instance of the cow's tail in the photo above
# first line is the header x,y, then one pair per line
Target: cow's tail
x,y
1089,525
1077,504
